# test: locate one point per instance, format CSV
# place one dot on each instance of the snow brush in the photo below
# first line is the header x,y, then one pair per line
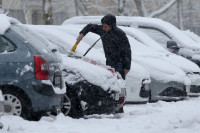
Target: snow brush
x,y
76,44
93,44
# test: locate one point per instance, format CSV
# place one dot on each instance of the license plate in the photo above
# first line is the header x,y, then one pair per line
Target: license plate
x,y
57,80
116,96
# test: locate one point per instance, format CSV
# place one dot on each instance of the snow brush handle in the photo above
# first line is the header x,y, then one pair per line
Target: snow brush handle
x,y
74,47
93,45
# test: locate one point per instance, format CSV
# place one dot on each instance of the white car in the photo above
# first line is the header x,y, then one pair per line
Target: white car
x,y
190,68
138,78
169,81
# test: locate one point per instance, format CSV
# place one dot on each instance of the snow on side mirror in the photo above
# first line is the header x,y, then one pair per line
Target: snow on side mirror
x,y
172,45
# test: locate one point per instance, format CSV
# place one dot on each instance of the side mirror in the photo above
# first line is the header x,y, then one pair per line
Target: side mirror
x,y
172,45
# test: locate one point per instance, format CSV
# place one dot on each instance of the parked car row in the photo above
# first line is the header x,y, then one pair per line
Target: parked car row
x,y
39,75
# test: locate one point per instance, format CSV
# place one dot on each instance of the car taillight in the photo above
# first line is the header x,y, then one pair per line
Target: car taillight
x,y
41,68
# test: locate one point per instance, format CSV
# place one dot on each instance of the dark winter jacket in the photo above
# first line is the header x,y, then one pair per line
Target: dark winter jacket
x,y
115,43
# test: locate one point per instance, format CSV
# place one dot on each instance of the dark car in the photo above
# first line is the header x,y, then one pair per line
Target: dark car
x,y
88,98
30,75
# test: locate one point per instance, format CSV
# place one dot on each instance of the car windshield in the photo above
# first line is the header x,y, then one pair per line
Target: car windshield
x,y
33,38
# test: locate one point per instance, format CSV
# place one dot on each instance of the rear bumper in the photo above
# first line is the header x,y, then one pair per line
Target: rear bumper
x,y
42,96
194,91
47,103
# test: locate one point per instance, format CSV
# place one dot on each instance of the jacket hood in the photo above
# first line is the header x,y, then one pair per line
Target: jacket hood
x,y
109,20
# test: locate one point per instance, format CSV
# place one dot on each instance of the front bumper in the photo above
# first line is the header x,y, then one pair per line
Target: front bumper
x,y
167,91
194,91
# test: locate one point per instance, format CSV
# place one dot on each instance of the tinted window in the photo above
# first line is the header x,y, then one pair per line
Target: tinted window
x,y
5,45
157,35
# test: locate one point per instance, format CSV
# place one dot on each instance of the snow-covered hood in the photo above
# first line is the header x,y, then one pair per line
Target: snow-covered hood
x,y
6,22
157,67
94,74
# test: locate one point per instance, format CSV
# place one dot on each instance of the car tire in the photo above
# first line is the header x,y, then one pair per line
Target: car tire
x,y
66,105
17,103
76,110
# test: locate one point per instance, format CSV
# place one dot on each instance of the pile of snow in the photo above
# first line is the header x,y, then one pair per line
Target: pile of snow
x,y
6,22
160,117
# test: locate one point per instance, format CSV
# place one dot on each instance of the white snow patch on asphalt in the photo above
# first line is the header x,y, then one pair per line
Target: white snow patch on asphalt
x,y
165,117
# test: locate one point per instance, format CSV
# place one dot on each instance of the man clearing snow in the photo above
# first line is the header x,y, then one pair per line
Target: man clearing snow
x,y
115,43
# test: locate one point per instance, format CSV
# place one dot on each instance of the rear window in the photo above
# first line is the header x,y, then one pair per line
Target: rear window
x,y
6,45
40,43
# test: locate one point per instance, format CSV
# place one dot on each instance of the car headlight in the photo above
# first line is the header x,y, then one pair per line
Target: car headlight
x,y
187,88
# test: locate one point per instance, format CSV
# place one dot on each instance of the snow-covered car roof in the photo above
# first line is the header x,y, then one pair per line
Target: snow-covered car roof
x,y
6,22
176,34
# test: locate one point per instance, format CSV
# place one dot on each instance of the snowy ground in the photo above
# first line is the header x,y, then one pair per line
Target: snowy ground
x,y
173,117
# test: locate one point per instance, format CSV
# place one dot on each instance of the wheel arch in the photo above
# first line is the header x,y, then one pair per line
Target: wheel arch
x,y
16,88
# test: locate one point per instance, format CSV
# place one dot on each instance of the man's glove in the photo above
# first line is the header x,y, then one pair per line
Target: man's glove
x,y
74,47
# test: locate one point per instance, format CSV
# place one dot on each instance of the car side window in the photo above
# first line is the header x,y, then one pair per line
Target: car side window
x,y
156,34
6,45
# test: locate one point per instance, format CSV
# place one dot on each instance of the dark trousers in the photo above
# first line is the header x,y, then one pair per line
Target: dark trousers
x,y
118,68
